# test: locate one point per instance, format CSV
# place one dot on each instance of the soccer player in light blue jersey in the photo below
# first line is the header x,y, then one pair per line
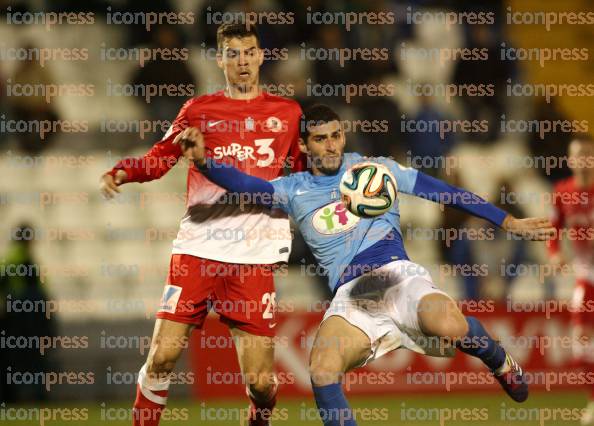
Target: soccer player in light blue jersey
x,y
382,301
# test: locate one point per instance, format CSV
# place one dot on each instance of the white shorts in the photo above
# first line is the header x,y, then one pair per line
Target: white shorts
x,y
384,306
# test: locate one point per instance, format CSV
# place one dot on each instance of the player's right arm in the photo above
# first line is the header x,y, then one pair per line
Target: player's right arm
x,y
153,165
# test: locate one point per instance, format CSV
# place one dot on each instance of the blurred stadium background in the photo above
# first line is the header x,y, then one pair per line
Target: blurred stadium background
x,y
104,263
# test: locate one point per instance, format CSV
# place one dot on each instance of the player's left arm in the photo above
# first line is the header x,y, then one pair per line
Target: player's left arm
x,y
414,182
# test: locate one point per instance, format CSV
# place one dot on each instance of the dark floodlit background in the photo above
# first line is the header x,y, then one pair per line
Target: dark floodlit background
x,y
106,262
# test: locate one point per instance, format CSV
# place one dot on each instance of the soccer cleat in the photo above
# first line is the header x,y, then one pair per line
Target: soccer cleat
x,y
512,379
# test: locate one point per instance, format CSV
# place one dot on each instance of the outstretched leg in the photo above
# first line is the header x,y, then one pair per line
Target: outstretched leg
x,y
439,316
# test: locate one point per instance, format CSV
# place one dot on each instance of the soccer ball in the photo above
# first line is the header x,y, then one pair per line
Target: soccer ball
x,y
368,189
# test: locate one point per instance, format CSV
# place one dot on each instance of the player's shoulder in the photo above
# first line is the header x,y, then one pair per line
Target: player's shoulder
x,y
282,101
293,180
355,158
565,185
206,98
296,177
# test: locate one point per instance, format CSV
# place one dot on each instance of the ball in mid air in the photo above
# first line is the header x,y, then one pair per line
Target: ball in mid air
x,y
368,189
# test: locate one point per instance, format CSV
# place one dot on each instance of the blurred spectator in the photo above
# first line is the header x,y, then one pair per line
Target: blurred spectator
x,y
302,31
458,251
332,71
4,106
554,144
518,252
426,143
74,6
164,72
381,117
137,32
32,108
491,71
19,283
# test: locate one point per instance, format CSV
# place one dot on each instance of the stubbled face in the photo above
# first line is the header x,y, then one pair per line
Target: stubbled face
x,y
580,155
240,60
325,147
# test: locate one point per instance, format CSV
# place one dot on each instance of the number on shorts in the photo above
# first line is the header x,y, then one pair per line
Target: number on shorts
x,y
269,299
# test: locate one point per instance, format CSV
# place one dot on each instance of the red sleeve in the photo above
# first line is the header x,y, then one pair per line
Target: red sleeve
x,y
554,244
160,158
298,159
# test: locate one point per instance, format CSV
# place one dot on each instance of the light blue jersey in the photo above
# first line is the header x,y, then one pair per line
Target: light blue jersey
x,y
335,235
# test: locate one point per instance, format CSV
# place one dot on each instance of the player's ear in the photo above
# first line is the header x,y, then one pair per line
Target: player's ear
x,y
260,56
303,146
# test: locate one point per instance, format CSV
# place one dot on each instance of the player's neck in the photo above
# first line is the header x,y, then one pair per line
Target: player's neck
x,y
321,172
316,172
242,92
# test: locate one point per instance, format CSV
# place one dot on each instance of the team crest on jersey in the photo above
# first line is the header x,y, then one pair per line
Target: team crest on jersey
x,y
274,124
170,297
249,124
333,218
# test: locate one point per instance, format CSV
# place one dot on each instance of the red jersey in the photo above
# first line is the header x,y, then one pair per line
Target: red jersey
x,y
260,136
573,216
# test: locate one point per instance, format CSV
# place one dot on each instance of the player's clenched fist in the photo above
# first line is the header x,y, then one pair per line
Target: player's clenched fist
x,y
191,142
109,185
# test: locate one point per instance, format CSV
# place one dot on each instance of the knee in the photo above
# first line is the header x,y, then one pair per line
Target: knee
x,y
452,327
161,361
442,318
324,370
260,382
458,327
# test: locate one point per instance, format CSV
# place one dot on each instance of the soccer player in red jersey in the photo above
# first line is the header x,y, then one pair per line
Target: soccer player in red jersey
x,y
259,133
573,202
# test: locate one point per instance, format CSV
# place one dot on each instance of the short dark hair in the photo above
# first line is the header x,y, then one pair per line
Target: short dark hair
x,y
236,30
316,115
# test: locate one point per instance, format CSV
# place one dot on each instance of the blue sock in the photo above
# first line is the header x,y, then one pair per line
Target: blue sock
x,y
333,406
478,343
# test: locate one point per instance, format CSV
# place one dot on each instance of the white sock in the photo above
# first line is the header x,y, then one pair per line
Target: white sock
x,y
149,384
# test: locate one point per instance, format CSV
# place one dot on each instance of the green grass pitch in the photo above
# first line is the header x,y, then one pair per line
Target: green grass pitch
x,y
489,409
